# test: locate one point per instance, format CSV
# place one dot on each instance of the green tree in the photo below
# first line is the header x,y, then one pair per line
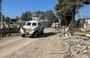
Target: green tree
x,y
3,17
66,9
26,16
7,19
13,20
17,18
39,14
50,16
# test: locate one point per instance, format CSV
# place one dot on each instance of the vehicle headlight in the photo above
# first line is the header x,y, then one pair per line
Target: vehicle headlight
x,y
29,30
22,28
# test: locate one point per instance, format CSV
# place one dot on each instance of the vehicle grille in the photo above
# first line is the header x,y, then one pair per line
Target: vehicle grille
x,y
28,30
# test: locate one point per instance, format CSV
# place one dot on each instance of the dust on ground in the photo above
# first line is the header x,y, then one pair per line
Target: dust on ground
x,y
51,45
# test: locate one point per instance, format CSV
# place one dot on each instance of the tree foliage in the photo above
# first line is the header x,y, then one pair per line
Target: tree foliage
x,y
40,14
46,15
13,20
26,16
50,16
68,8
17,18
7,19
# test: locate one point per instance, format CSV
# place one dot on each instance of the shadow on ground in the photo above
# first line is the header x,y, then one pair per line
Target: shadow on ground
x,y
47,34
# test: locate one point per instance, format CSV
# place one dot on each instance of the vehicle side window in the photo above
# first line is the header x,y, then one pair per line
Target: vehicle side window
x,y
28,24
39,24
34,24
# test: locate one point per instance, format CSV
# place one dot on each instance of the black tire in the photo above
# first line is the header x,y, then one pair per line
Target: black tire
x,y
35,34
23,35
42,32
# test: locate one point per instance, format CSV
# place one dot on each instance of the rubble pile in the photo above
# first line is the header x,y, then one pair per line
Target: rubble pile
x,y
78,47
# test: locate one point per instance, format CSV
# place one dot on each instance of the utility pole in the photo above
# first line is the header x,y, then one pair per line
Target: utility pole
x,y
1,15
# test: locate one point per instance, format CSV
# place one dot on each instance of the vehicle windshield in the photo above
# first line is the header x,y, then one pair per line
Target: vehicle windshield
x,y
28,24
34,24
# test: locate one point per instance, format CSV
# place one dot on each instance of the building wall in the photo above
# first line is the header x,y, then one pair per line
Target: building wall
x,y
87,24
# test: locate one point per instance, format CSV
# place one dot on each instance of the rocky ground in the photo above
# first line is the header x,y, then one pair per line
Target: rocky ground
x,y
49,45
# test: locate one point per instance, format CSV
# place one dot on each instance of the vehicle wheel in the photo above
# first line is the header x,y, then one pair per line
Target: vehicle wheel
x,y
23,35
35,34
42,32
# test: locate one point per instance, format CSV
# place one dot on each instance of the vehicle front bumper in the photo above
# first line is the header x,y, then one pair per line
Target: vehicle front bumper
x,y
27,32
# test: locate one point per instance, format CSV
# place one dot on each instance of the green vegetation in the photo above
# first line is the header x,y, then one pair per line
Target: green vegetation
x,y
26,16
67,9
49,16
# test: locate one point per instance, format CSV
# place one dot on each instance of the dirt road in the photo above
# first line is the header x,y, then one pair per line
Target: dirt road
x,y
49,45
10,45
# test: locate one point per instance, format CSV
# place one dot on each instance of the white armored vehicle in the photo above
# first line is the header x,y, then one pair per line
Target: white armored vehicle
x,y
32,28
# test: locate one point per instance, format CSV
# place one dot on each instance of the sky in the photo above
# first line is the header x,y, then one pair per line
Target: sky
x,y
84,12
13,8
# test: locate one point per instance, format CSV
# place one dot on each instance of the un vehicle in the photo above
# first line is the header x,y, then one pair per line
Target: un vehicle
x,y
32,28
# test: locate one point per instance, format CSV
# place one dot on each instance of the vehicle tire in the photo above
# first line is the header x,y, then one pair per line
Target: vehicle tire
x,y
23,35
42,32
35,34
